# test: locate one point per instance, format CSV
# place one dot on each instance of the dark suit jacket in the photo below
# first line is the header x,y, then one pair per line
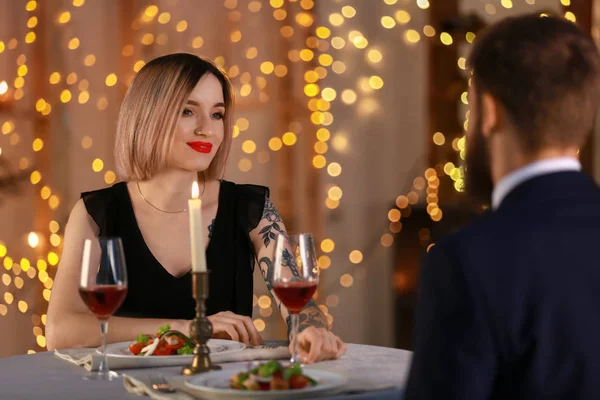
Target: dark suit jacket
x,y
509,308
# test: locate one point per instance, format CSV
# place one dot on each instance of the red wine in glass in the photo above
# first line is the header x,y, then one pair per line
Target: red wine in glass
x,y
296,294
103,300
295,277
103,288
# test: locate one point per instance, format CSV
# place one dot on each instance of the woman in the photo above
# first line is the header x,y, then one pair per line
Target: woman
x,y
174,127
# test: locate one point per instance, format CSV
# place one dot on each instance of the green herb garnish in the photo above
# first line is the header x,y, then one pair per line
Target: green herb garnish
x,y
295,369
143,338
163,329
185,350
269,368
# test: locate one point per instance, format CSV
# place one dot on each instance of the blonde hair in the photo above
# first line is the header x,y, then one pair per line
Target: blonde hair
x,y
151,109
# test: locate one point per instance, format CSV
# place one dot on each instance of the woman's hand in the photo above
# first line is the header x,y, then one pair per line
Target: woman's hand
x,y
227,325
318,344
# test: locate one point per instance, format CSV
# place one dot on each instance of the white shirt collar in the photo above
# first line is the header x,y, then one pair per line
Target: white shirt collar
x,y
543,167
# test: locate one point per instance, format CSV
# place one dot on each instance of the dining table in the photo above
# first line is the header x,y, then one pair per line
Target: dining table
x,y
371,372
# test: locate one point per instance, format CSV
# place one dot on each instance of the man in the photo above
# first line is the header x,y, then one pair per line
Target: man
x,y
509,308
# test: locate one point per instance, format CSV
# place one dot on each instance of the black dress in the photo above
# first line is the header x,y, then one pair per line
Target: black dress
x,y
155,293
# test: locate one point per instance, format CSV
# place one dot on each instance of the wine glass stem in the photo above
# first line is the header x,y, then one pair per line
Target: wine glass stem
x,y
103,369
295,322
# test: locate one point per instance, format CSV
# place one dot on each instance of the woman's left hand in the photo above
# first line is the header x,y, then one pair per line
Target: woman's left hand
x,y
318,344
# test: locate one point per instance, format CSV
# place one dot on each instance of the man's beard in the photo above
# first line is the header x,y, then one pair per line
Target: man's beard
x,y
478,174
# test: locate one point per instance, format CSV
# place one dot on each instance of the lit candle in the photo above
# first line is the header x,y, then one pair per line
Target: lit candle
x,y
196,237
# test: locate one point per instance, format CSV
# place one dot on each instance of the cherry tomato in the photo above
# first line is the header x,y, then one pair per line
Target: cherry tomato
x,y
136,348
162,351
180,343
298,382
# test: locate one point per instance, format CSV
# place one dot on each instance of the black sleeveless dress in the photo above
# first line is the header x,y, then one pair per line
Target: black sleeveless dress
x,y
155,293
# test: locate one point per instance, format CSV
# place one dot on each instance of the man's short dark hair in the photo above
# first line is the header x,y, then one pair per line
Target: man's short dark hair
x,y
545,72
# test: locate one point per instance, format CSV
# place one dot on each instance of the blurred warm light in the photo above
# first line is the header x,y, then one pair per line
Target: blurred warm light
x,y
64,17
327,245
73,43
181,26
319,161
470,36
394,215
249,146
374,56
37,144
424,4
348,11
86,142
570,16
236,36
411,36
346,280
264,301
323,134
439,139
275,144
245,165
429,31
356,257
446,39
334,169
323,32
259,324
111,80
97,165
33,239
109,177
388,22
335,193
65,96
289,138
321,147
402,17
324,262
336,19
506,3
35,177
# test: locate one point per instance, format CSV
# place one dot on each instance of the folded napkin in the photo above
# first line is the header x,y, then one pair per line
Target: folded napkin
x,y
90,359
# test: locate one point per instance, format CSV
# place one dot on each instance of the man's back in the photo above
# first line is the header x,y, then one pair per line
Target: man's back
x,y
511,305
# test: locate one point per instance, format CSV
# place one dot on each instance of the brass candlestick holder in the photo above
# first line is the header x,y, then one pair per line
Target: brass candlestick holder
x,y
201,328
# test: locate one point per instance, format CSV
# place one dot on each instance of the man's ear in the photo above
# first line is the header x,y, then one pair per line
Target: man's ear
x,y
491,114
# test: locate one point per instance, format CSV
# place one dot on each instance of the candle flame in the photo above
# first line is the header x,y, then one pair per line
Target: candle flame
x,y
195,191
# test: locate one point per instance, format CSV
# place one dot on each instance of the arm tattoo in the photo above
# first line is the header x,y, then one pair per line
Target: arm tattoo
x,y
287,260
272,216
211,228
266,267
311,315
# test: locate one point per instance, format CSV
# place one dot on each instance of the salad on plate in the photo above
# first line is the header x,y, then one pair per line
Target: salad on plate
x,y
271,375
166,342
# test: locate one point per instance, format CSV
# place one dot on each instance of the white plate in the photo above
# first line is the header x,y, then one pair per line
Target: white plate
x,y
216,385
216,346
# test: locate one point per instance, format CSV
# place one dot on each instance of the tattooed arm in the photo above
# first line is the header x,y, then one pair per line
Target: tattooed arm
x,y
263,237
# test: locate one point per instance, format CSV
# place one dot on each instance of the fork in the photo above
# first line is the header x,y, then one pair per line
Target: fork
x,y
160,383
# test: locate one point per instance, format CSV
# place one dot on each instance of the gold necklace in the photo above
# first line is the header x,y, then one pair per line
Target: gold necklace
x,y
165,211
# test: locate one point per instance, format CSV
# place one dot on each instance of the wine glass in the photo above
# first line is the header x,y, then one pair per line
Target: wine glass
x,y
103,287
295,277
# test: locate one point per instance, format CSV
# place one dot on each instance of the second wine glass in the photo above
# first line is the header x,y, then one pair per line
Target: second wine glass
x,y
103,287
295,277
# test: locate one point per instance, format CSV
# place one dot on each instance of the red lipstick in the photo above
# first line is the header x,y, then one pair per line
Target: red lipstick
x,y
201,147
